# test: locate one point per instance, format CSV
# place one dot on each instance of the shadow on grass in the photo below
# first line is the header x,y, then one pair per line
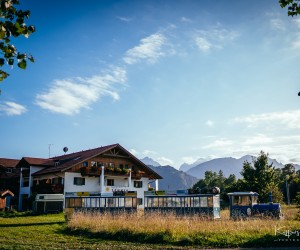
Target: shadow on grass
x,y
124,235
14,214
199,240
32,224
274,241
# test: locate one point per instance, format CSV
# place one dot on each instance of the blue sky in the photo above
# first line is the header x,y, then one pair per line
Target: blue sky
x,y
172,80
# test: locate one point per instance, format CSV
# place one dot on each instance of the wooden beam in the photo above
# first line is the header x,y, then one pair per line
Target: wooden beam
x,y
117,156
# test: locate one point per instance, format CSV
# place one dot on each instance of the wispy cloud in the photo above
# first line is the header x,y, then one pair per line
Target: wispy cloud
x,y
209,123
165,161
125,19
149,152
290,119
277,24
134,152
189,159
259,139
206,40
203,44
12,108
69,96
150,49
297,21
218,143
296,42
185,20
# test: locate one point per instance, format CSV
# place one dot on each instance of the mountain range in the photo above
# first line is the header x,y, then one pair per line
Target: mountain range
x,y
185,166
173,179
150,162
189,174
228,165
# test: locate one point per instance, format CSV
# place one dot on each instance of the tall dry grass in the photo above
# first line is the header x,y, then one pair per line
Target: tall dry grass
x,y
187,230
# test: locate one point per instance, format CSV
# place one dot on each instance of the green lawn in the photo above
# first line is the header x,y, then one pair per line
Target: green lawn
x,y
51,232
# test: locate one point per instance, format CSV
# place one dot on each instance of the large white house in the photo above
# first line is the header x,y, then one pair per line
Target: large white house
x,y
104,171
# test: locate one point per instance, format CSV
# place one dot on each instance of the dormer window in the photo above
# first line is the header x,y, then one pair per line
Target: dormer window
x,y
8,170
111,164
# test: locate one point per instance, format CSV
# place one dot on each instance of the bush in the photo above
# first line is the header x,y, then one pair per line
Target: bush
x,y
297,199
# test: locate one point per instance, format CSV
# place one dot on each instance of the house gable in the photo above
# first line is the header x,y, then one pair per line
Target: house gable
x,y
111,157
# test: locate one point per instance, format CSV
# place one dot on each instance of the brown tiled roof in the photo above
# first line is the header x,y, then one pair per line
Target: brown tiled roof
x,y
38,161
6,192
69,160
30,161
8,163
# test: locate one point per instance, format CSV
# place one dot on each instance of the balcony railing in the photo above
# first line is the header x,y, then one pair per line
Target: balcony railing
x,y
96,171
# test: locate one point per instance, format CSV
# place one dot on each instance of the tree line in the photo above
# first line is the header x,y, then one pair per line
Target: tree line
x,y
258,176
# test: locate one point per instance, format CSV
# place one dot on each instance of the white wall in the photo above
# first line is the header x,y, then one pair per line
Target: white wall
x,y
118,182
27,190
92,184
140,191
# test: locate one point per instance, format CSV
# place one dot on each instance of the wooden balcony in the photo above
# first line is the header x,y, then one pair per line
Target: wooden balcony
x,y
137,175
116,172
92,171
96,171
47,188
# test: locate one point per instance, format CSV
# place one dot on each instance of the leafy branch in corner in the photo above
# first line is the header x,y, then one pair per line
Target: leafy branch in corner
x,y
12,25
293,6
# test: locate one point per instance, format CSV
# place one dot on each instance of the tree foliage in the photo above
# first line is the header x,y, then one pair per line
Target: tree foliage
x,y
290,178
214,179
293,6
12,25
261,177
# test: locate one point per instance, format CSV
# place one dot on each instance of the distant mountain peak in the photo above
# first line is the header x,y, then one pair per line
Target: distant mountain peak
x,y
173,179
228,165
186,167
149,161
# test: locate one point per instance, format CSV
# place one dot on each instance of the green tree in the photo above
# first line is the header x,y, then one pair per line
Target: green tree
x,y
293,6
213,179
290,180
261,178
12,25
221,179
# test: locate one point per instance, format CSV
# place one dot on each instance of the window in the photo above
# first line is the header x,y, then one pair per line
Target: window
x,y
110,182
126,166
8,170
79,181
93,164
111,164
121,166
138,184
85,164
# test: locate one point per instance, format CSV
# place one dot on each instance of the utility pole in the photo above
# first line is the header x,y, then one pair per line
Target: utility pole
x,y
49,148
287,190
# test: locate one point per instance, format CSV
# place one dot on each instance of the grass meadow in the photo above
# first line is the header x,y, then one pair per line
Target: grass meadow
x,y
136,231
